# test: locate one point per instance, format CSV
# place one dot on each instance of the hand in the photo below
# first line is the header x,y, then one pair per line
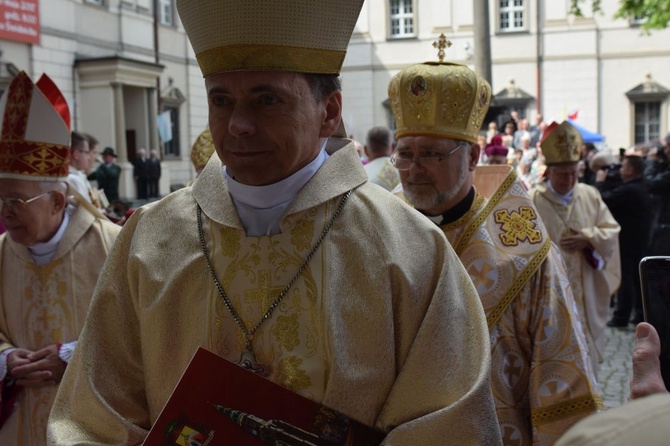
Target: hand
x,y
17,361
45,368
647,378
574,242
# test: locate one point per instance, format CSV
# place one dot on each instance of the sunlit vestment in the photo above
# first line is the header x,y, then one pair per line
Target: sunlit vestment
x,y
43,305
372,327
592,288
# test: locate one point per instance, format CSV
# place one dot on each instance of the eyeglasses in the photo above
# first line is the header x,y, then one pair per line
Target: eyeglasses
x,y
403,159
15,203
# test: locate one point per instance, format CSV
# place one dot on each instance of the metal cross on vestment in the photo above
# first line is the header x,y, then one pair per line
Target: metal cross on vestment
x,y
441,44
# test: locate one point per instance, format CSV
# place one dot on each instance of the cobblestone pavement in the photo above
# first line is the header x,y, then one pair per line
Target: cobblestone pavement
x,y
616,370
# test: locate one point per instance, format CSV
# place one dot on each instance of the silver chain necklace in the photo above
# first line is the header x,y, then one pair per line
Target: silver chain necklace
x,y
248,359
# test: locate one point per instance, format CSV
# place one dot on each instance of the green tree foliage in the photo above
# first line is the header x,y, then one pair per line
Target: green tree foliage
x,y
656,12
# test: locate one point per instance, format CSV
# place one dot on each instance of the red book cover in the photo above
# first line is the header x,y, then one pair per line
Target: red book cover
x,y
217,402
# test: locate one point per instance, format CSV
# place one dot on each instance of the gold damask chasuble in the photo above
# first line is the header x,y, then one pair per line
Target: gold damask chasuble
x,y
43,305
371,328
541,378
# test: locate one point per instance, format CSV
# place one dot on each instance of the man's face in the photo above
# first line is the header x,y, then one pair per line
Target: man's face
x,y
33,222
438,188
563,177
268,125
81,157
108,159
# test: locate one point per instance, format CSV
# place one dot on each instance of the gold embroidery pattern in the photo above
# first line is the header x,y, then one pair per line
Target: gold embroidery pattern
x,y
286,330
494,316
291,376
518,225
584,404
301,234
266,57
254,271
46,311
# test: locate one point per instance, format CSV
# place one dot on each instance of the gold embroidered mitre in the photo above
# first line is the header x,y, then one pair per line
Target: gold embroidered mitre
x,y
305,36
202,149
440,99
561,143
35,133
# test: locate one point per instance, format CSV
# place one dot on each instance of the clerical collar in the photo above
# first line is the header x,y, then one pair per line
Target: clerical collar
x,y
453,214
260,207
42,253
564,199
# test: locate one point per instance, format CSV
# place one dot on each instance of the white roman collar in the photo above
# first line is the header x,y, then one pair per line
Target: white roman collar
x,y
260,207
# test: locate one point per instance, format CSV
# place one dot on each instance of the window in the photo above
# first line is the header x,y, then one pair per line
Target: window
x,y
512,15
166,12
171,148
402,18
95,2
647,121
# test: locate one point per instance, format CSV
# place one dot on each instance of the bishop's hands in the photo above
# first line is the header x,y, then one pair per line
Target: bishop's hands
x,y
647,378
38,368
574,242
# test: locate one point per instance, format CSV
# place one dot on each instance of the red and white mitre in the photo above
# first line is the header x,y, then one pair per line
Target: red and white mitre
x,y
35,132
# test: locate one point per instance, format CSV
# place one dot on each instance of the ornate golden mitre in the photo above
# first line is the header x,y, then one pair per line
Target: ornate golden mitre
x,y
202,149
440,99
561,143
35,131
305,36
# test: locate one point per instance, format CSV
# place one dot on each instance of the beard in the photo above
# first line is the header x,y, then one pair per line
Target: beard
x,y
427,197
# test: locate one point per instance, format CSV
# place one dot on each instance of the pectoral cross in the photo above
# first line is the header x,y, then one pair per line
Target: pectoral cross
x,y
441,44
248,361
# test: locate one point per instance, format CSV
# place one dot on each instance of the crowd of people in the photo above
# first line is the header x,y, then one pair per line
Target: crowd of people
x,y
442,293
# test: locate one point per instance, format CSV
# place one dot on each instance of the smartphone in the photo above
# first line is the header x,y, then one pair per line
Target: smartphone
x,y
655,285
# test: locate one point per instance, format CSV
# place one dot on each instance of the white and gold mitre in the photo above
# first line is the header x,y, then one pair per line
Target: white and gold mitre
x,y
561,143
440,99
305,36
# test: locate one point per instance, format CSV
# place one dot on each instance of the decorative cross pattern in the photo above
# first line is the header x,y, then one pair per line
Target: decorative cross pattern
x,y
518,225
264,294
441,44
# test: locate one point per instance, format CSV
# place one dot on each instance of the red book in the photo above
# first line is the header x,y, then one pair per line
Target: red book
x,y
217,402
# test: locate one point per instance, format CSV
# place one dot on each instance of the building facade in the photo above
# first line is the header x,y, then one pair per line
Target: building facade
x,y
131,79
612,77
